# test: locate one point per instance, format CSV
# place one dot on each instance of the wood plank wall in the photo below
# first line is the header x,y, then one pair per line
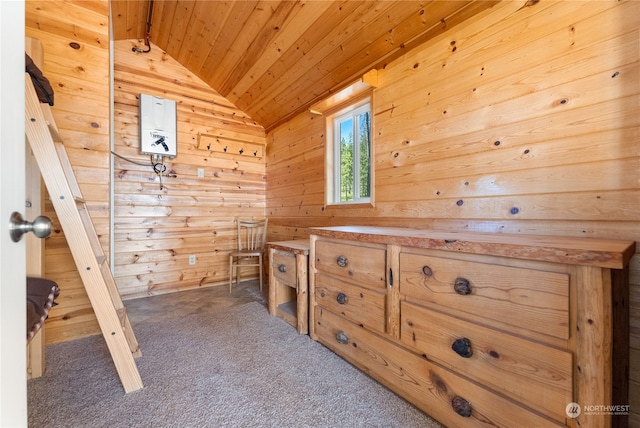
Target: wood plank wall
x,y
155,229
158,228
75,39
522,121
525,120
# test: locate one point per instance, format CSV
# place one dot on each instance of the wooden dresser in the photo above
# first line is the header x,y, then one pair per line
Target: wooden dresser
x,y
479,329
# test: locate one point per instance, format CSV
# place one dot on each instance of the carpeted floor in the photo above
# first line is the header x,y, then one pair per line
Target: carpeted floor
x,y
237,367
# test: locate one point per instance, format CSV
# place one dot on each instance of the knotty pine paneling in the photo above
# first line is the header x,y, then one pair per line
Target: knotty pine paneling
x,y
159,225
75,40
533,108
522,120
155,229
273,59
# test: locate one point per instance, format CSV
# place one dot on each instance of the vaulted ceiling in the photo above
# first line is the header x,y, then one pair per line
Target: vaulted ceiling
x,y
274,59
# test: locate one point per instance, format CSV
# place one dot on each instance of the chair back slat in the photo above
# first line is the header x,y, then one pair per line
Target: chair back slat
x,y
252,234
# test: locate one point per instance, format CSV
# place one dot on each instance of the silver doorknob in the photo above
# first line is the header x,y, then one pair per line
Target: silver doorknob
x,y
41,226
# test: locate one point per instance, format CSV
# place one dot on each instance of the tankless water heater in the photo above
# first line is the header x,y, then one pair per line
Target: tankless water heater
x,y
158,126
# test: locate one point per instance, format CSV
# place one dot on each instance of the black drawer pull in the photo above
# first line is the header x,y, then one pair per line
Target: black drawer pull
x,y
282,268
342,338
461,406
462,286
462,347
342,261
341,298
426,270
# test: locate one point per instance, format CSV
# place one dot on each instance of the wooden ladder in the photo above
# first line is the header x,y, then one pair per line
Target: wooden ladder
x,y
51,156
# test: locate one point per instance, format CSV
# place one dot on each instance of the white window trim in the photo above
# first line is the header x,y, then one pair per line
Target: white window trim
x,y
351,111
331,156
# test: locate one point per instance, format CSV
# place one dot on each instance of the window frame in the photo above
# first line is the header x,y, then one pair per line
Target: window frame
x,y
332,161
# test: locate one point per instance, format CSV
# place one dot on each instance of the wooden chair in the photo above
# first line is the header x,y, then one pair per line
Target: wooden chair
x,y
252,236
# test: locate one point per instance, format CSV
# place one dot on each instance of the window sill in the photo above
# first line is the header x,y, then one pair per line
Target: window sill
x,y
351,205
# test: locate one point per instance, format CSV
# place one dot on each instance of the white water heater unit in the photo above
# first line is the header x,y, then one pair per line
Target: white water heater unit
x,y
158,126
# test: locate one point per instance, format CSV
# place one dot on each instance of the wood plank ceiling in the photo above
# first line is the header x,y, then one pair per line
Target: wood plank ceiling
x,y
273,59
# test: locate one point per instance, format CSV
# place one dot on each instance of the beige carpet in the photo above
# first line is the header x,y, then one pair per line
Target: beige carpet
x,y
238,367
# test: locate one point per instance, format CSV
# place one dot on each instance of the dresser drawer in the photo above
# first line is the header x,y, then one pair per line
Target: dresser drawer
x,y
358,263
530,372
360,305
502,296
431,388
284,267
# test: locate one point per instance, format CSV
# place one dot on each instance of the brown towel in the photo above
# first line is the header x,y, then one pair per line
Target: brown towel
x,y
41,83
41,295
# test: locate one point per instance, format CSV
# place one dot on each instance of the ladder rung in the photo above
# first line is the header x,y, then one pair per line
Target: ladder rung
x,y
54,134
90,231
68,170
101,259
51,123
122,315
126,327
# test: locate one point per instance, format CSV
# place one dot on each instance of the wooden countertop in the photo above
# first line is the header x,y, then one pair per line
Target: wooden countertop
x,y
607,253
298,246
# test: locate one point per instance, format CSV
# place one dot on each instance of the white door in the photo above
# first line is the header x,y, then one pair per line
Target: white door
x,y
13,366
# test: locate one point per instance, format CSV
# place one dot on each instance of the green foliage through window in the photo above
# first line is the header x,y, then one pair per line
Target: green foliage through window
x,y
353,177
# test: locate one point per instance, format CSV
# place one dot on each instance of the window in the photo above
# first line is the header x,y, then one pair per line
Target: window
x,y
352,151
349,173
349,178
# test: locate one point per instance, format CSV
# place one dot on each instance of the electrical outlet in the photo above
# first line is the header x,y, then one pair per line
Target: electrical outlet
x,y
200,172
192,259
